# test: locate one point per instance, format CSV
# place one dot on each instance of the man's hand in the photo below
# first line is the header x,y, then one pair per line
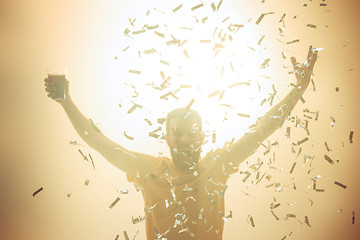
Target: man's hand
x,y
51,89
303,71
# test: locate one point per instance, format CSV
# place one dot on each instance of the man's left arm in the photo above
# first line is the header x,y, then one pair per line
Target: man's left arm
x,y
275,117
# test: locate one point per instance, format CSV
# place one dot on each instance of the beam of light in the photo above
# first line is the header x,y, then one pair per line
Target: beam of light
x,y
223,59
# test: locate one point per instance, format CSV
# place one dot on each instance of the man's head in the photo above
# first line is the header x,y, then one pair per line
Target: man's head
x,y
184,136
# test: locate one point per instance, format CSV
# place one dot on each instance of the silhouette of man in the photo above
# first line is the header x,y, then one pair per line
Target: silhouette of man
x,y
184,195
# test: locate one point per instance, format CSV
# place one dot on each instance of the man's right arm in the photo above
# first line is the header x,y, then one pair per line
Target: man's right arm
x,y
118,156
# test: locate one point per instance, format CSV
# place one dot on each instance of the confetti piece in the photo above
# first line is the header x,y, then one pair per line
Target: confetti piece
x,y
164,62
252,221
87,182
292,168
340,184
274,206
260,40
351,136
205,41
294,41
289,215
243,115
304,4
128,137
161,120
74,143
135,71
247,176
218,6
327,158
190,104
240,83
197,6
213,7
186,53
117,237
37,191
159,34
323,4
138,32
311,25
84,156
126,236
287,134
353,217
152,27
115,202
259,19
327,147
177,8
277,218
282,17
302,141
148,121
92,161
133,108
213,94
213,137
225,19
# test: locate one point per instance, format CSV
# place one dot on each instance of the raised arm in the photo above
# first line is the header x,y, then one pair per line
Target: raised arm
x,y
274,118
118,156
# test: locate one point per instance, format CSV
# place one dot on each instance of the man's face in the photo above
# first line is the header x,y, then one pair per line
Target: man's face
x,y
184,139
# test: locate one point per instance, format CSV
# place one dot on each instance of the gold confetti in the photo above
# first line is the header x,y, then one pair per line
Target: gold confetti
x,y
213,94
164,62
186,53
159,34
133,108
197,6
294,41
292,168
259,19
311,25
126,236
282,17
327,158
213,7
243,115
114,203
135,71
37,191
177,8
128,137
351,136
340,184
260,40
139,31
152,27
218,6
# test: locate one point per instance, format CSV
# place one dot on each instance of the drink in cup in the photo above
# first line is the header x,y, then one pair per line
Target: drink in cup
x,y
57,76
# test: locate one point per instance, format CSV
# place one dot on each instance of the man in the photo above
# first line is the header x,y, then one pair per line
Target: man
x,y
184,195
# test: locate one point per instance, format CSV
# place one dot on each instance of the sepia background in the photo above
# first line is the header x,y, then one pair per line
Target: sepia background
x,y
87,37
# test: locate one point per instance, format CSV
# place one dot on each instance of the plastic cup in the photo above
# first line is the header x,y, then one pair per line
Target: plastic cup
x,y
56,75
